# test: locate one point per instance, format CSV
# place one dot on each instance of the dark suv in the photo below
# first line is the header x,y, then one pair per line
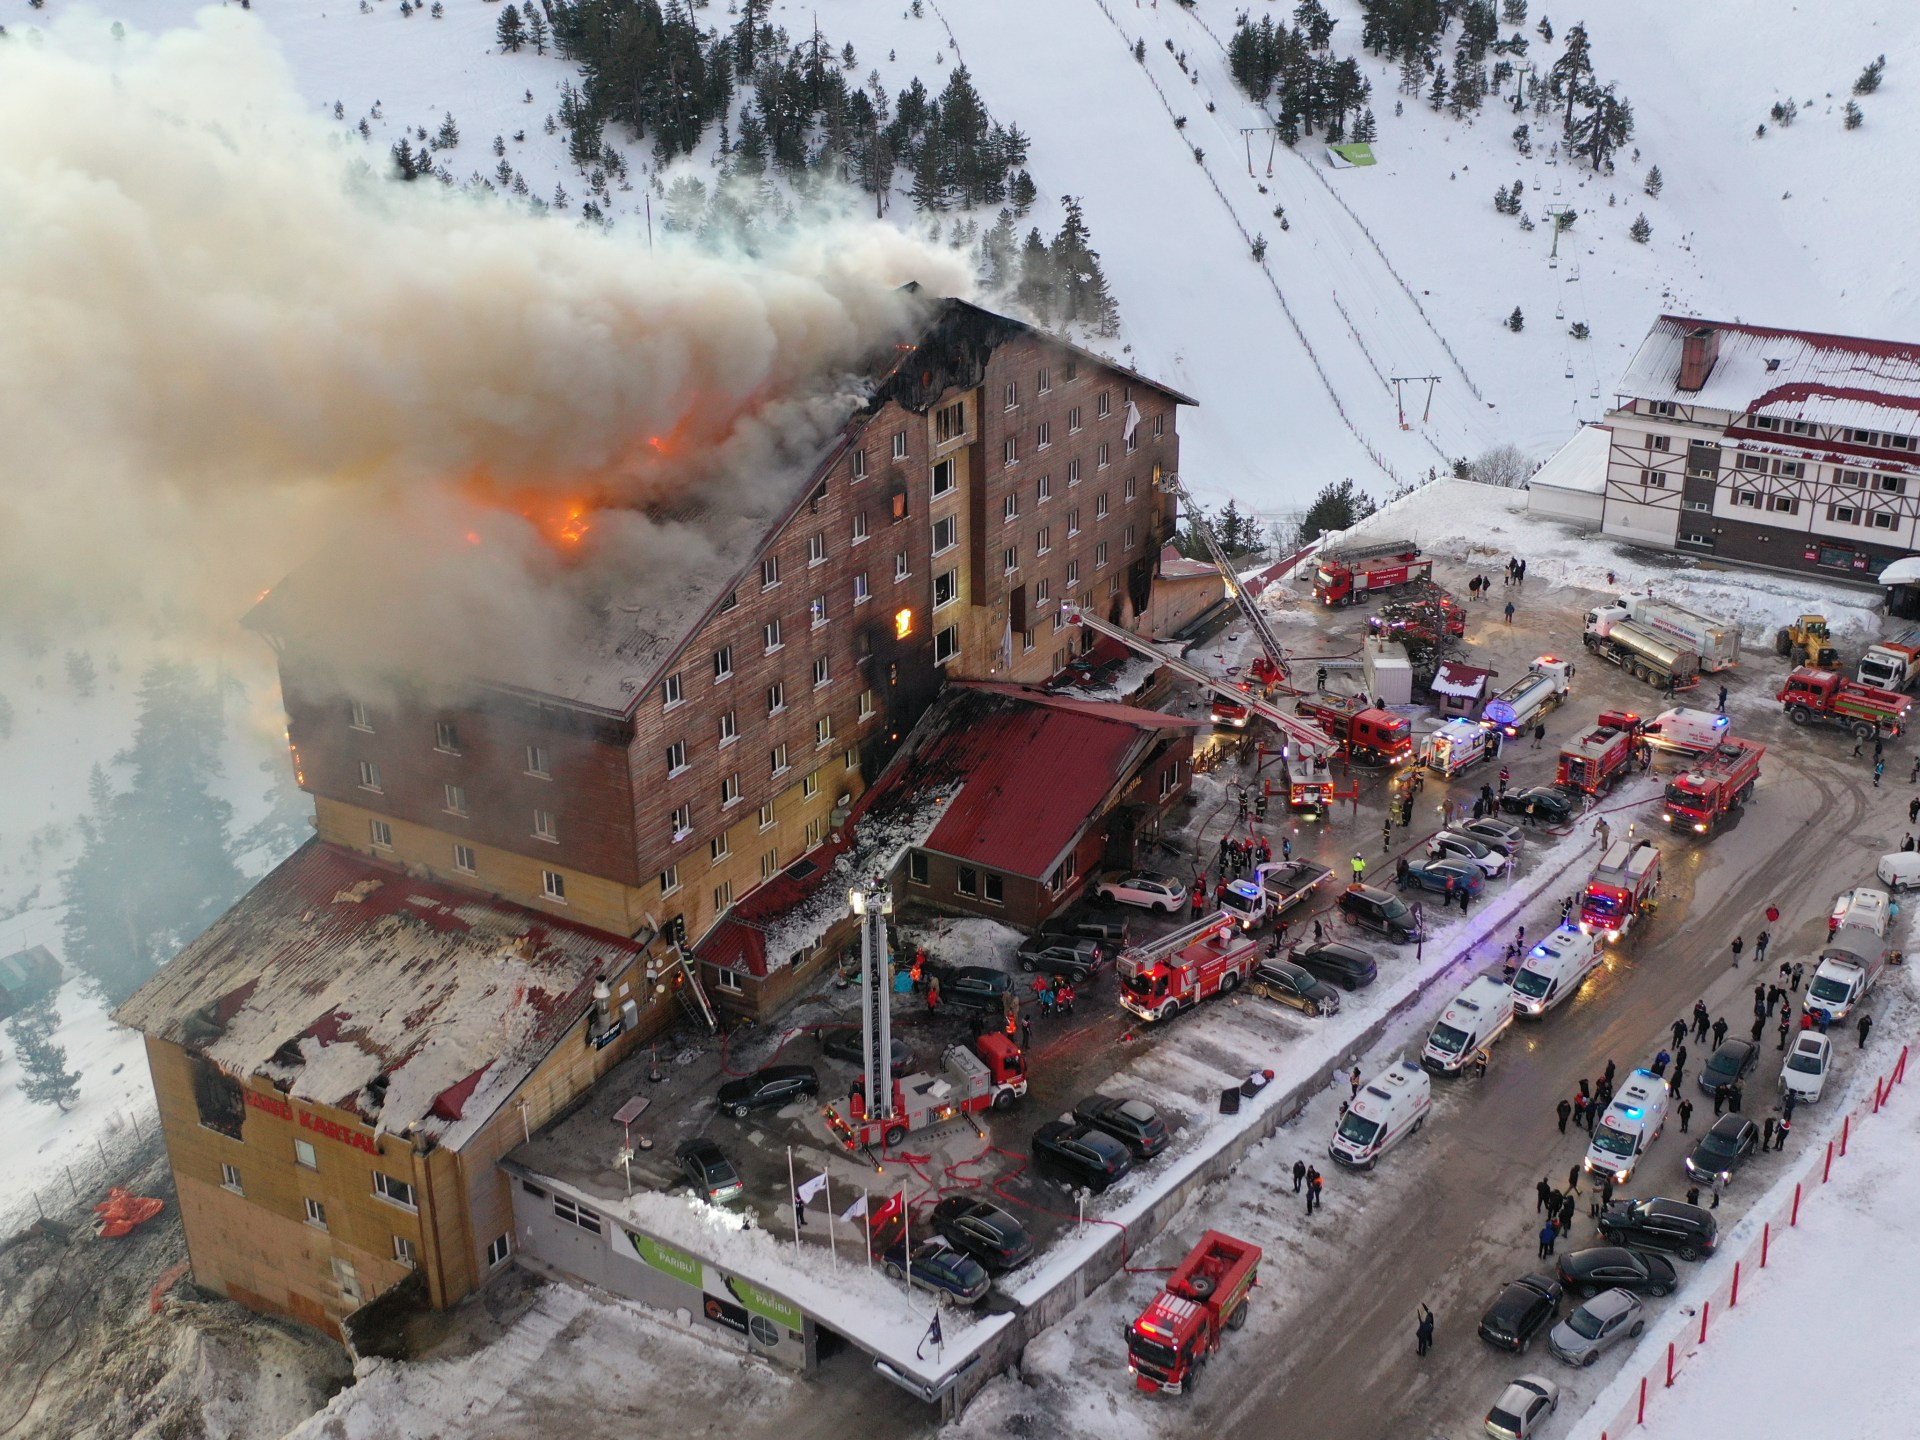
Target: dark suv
x,y
1671,1225
1079,1155
1054,955
973,987
1520,1311
1134,1123
984,1231
1376,910
1342,965
775,1085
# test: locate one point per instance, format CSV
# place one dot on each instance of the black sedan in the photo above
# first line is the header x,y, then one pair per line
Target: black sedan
x,y
1551,806
1522,1309
984,1231
1723,1150
1614,1267
1134,1123
1079,1156
972,987
1338,964
773,1086
1728,1065
709,1171
844,1042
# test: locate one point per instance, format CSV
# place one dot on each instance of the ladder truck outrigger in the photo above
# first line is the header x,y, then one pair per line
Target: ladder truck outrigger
x,y
1309,749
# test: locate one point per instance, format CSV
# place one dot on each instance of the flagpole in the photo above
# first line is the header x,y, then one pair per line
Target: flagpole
x,y
833,1241
793,1194
866,1224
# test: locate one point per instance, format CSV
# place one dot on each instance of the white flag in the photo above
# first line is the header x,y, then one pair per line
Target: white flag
x,y
810,1188
855,1210
1133,421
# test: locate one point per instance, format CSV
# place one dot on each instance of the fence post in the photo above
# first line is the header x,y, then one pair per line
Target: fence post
x,y
1669,1364
1879,1093
1846,1126
1900,1066
1766,1239
1734,1298
1706,1309
1642,1418
1826,1170
1794,1219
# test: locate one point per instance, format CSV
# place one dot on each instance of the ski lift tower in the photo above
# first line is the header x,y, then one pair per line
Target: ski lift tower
x,y
873,903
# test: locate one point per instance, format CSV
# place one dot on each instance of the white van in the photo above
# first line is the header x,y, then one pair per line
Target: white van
x,y
1554,968
1458,744
1390,1106
1632,1122
1850,962
1472,1020
1900,870
1869,909
1694,732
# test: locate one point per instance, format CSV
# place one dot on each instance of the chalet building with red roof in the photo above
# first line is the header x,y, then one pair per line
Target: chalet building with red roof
x,y
1784,448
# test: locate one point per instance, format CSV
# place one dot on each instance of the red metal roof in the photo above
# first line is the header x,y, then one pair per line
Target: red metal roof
x,y
739,941
335,971
1033,769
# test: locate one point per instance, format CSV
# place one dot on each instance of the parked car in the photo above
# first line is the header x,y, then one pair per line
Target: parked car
x,y
1900,871
938,1266
984,1231
1609,1316
1556,807
973,987
1163,894
1723,1150
1294,985
1053,955
1614,1267
1523,1407
709,1171
1376,910
1660,1224
1451,843
1501,835
1728,1064
775,1085
1079,1155
1134,1123
1444,874
844,1042
1519,1311
1805,1072
1110,935
1347,966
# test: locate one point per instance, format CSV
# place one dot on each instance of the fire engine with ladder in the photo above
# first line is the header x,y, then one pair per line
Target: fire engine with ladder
x,y
1176,972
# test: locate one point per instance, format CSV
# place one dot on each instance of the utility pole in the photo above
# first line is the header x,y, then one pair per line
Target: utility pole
x,y
1272,132
1398,381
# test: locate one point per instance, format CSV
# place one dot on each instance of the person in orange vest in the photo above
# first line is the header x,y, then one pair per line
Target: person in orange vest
x,y
1200,895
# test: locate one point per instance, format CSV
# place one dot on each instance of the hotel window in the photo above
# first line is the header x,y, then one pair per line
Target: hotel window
x,y
946,645
316,1213
446,736
1843,514
1100,507
1783,505
1660,407
729,729
950,422
1657,442
1789,469
946,588
669,880
727,980
1889,484
1010,508
498,1249
900,446
723,663
230,1179
718,848
860,527
1131,440
816,832
676,757
405,1253
358,716
1754,462
1043,542
850,760
303,1155
946,535
1073,420
1854,479
1100,461
1126,541
397,1192
1072,368
769,862
867,708
1044,382
1042,591
994,889
1010,560
817,550
1073,471
862,588
537,762
456,799
770,633
901,567
968,881
1133,487
1100,556
769,572
1073,574
1750,499
553,885
1882,520
574,1214
1026,640
776,698
917,867
369,776
1073,522
810,787
1043,492
944,479
682,821
778,757
1159,426
817,611
672,693
1010,451
823,732
859,464
730,791
1063,874
1653,479
1043,435
766,815
1013,395
382,834
822,671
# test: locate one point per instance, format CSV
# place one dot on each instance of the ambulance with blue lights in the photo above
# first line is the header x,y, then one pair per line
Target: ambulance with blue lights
x,y
1632,1123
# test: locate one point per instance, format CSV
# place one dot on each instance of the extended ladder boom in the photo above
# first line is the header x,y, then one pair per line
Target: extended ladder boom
x,y
1249,606
1294,727
1136,958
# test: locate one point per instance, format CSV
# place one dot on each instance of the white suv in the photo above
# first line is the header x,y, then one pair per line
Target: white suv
x,y
1805,1073
1152,892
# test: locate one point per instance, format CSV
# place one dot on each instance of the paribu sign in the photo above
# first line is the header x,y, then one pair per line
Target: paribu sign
x,y
730,1290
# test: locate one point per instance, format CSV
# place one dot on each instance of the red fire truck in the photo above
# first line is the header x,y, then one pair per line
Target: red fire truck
x,y
1830,698
1714,786
1349,575
990,1076
1207,1296
1602,756
1622,885
1368,735
1178,971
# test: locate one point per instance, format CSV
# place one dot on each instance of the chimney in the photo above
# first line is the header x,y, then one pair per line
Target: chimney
x,y
1698,350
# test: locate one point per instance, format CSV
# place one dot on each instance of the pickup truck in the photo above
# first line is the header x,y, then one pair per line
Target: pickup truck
x,y
1275,888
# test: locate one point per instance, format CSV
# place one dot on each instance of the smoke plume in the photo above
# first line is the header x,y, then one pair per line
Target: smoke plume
x,y
227,336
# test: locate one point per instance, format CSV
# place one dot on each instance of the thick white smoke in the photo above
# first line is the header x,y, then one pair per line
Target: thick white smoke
x,y
225,336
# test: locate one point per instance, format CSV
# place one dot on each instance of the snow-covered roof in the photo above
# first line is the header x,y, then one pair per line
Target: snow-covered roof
x,y
1794,374
1904,571
1462,682
1580,464
335,971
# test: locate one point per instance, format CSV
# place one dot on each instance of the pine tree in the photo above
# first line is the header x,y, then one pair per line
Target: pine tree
x,y
1853,116
1339,506
45,1077
1523,140
1366,130
1869,80
449,133
1640,230
1545,29
1022,192
404,162
1036,289
1654,182
1578,330
1603,129
1571,76
1514,12
1437,96
510,33
1516,322
537,32
80,673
